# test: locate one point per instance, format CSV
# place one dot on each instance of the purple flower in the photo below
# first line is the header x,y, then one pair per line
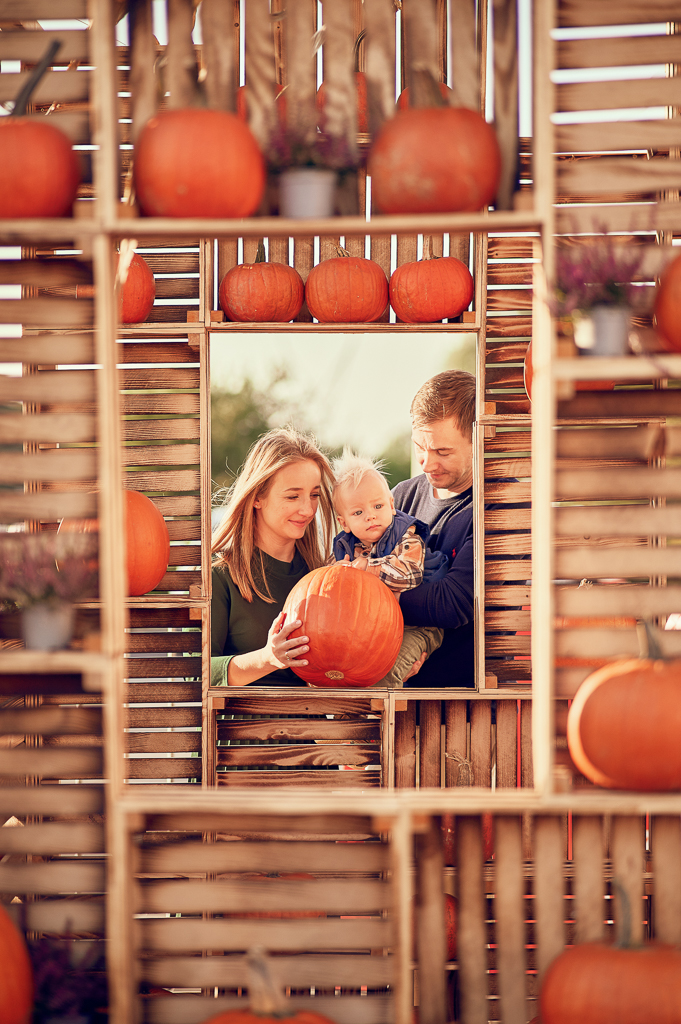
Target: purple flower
x,y
47,566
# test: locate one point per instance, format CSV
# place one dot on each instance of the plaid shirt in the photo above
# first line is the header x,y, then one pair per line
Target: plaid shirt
x,y
402,568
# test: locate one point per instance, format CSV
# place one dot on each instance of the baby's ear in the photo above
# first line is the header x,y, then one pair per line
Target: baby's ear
x,y
341,521
392,504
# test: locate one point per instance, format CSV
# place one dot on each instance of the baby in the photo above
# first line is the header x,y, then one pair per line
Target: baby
x,y
381,540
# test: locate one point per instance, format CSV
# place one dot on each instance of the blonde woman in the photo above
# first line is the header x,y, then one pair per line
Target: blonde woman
x,y
277,527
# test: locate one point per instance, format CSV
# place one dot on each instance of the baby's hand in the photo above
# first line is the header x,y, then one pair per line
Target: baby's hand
x,y
360,563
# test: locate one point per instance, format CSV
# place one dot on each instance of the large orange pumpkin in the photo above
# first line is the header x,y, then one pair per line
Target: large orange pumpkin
x,y
39,172
600,984
624,724
148,542
434,160
16,976
346,290
198,163
354,624
430,290
668,306
137,292
262,292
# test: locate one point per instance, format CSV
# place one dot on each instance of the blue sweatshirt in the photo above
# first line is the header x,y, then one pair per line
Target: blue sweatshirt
x,y
445,602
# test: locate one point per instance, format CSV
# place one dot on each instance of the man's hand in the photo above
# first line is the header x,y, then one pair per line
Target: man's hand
x,y
416,667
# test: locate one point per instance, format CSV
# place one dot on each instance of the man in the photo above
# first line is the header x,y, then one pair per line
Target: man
x,y
442,413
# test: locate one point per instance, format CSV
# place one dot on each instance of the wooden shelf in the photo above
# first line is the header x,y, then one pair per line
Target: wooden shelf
x,y
28,662
652,367
58,229
220,327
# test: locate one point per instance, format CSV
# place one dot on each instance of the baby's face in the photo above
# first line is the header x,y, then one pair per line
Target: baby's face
x,y
366,510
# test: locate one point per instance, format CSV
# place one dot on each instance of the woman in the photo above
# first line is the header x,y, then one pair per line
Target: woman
x,y
267,541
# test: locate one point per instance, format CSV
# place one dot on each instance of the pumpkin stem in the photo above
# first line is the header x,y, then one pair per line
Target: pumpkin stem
x,y
260,256
428,253
340,251
648,643
355,51
31,82
264,997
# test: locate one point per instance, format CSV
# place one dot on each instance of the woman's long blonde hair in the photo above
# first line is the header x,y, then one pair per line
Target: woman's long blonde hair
x,y
233,543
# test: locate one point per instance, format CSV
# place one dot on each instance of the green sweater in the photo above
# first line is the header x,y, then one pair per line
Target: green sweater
x,y
239,626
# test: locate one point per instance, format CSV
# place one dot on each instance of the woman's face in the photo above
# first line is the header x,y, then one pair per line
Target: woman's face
x,y
289,506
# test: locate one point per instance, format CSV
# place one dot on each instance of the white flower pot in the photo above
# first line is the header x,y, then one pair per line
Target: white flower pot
x,y
307,192
605,332
47,627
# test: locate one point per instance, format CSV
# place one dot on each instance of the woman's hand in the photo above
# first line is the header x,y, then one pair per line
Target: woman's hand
x,y
416,667
284,651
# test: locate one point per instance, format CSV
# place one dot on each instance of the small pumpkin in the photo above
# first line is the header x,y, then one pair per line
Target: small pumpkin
x,y
137,292
16,976
262,292
346,290
39,171
431,289
434,160
195,162
623,725
354,624
148,542
595,983
668,306
267,1004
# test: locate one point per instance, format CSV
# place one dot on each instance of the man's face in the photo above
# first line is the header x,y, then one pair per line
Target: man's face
x,y
445,455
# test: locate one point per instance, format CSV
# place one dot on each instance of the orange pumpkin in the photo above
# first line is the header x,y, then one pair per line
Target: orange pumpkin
x,y
262,292
354,624
668,306
403,99
430,290
137,292
597,984
623,725
148,542
434,160
16,976
362,117
346,289
39,171
196,162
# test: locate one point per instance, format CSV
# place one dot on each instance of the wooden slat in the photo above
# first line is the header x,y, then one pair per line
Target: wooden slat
x,y
510,914
162,718
53,878
614,443
598,176
340,896
176,643
163,742
140,668
617,521
44,312
50,800
430,753
30,46
66,916
590,562
639,601
172,480
508,492
46,428
507,595
471,933
182,1009
56,764
298,972
617,136
162,768
160,430
299,754
507,620
517,569
481,742
626,12
548,889
45,272
52,838
29,10
158,405
59,464
431,938
49,349
627,845
626,404
405,747
666,847
618,483
54,87
175,934
588,889
258,823
138,379
294,856
616,643
292,704
70,385
15,506
50,721
335,780
162,455
597,53
506,747
292,729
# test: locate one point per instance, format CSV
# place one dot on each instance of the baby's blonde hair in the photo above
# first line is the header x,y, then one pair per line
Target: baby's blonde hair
x,y
351,468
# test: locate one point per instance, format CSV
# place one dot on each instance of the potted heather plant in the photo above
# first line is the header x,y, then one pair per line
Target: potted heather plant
x,y
593,290
42,574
